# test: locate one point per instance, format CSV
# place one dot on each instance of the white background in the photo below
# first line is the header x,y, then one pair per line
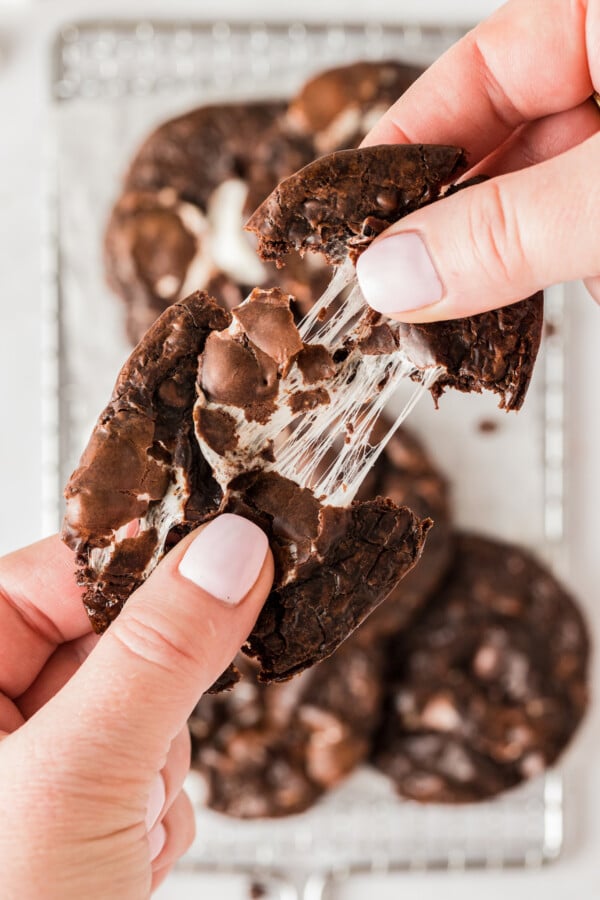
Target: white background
x,y
26,30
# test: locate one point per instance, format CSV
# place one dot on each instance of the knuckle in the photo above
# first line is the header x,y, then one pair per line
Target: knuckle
x,y
503,105
155,640
495,233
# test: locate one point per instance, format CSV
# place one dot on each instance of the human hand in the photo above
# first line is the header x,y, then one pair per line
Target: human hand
x,y
94,748
516,93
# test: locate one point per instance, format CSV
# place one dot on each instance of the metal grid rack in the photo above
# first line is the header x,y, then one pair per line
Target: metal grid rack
x,y
120,78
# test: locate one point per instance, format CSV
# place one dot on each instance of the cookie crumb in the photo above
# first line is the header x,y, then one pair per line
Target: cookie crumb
x,y
487,426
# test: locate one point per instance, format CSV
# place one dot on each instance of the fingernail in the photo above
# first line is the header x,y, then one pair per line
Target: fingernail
x,y
225,559
156,840
156,801
396,274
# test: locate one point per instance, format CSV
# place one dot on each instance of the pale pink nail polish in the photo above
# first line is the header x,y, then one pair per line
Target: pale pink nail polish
x,y
225,559
156,840
156,801
397,274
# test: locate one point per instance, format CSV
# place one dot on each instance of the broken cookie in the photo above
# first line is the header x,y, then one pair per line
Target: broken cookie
x,y
217,412
338,204
188,434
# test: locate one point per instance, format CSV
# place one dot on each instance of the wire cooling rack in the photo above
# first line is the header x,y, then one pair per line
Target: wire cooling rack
x,y
111,82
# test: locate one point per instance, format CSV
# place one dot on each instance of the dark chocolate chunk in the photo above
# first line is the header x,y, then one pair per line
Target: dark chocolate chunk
x,y
305,400
237,373
489,686
217,427
315,363
269,324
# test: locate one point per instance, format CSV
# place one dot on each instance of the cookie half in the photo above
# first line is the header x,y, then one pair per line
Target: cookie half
x,y
338,204
186,436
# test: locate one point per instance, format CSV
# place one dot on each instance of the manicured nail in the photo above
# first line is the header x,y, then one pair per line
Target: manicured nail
x,y
156,801
156,840
225,559
396,274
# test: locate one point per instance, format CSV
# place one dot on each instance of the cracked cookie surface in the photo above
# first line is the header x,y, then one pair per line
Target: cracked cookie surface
x,y
164,457
490,685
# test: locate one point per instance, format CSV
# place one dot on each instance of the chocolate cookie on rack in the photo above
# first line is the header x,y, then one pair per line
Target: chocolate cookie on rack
x,y
193,154
177,227
488,688
407,475
156,247
272,750
339,106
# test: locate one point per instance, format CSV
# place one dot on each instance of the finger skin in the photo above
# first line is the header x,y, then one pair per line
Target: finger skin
x,y
593,287
536,142
61,666
160,875
11,717
497,242
142,680
180,826
177,766
528,60
40,608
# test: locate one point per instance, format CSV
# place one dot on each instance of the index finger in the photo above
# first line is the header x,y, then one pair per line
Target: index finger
x,y
40,608
526,61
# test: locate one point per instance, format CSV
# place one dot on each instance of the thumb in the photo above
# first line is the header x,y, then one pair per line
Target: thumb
x,y
177,633
491,244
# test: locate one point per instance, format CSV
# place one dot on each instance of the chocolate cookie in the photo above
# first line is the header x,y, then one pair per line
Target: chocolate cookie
x,y
339,106
272,750
489,686
189,433
406,475
195,153
338,204
177,227
157,246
